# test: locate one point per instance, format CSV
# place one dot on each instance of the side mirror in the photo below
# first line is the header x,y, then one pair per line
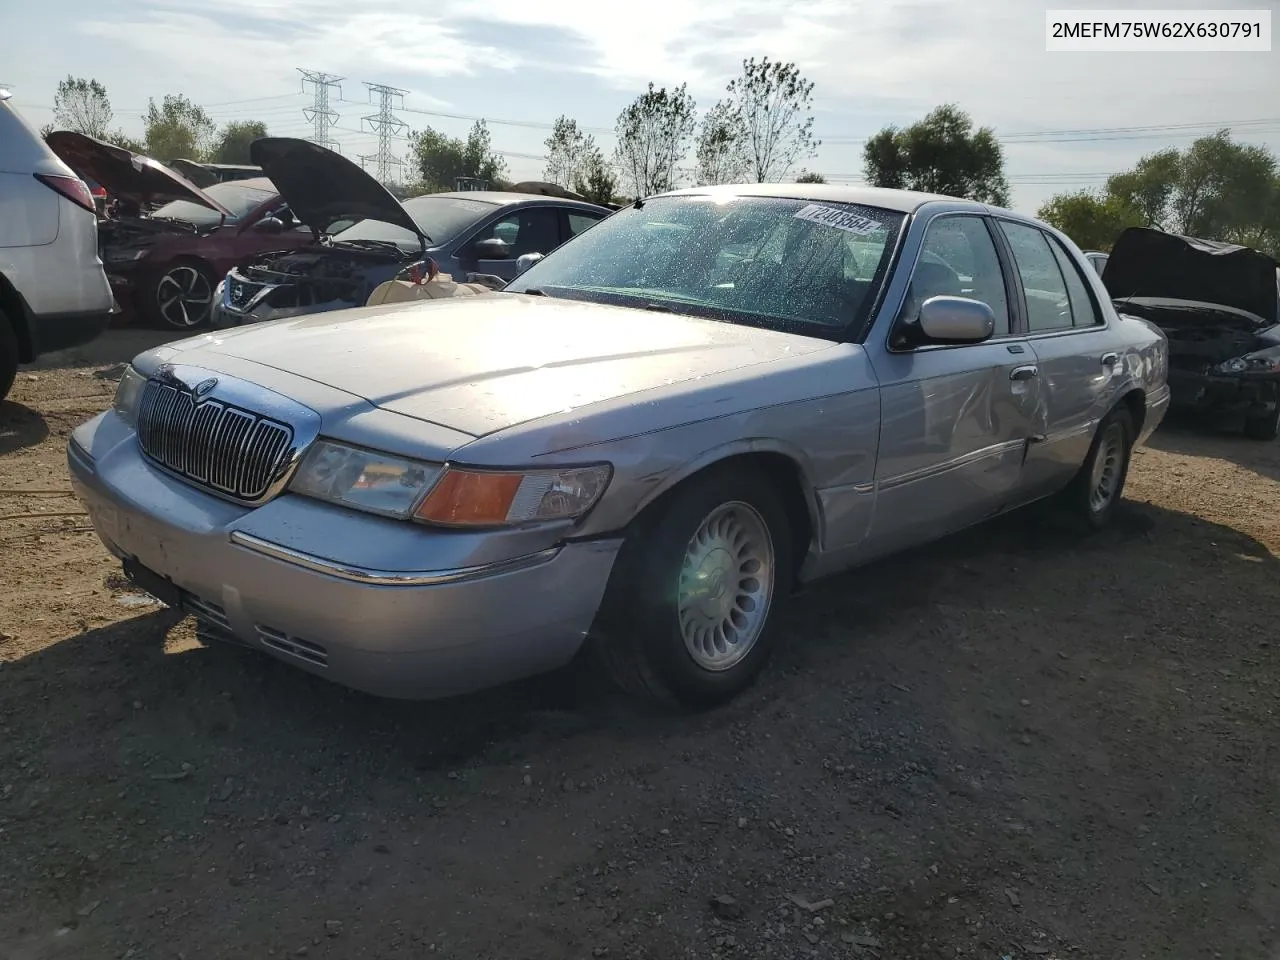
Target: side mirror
x,y
956,320
269,225
527,260
491,249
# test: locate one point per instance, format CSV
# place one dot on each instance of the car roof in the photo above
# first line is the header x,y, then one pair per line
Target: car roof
x,y
903,201
502,198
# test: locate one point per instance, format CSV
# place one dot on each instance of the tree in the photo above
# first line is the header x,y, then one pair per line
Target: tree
x,y
442,159
233,142
808,177
566,148
720,153
595,180
81,105
653,136
940,154
1149,186
177,129
1093,220
772,103
1215,188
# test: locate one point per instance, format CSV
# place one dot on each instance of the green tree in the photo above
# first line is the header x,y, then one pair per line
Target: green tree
x,y
233,141
940,154
1092,219
442,159
808,177
653,133
720,148
177,129
773,105
567,147
82,105
1149,186
595,180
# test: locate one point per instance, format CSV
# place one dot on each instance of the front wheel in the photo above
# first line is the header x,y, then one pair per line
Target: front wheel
x,y
1095,492
182,297
694,599
1264,427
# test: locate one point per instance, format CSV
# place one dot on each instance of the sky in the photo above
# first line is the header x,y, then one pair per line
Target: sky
x,y
1066,120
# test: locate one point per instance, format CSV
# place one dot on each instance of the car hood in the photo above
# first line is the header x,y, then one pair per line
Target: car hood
x,y
323,187
484,363
1153,265
125,174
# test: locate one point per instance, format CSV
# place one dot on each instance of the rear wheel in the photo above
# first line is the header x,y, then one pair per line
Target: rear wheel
x,y
694,599
1264,427
8,355
182,296
1095,492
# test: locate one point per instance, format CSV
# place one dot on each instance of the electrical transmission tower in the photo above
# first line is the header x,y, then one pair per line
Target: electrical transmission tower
x,y
386,125
320,114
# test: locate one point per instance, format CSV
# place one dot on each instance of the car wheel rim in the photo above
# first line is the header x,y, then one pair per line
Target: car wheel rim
x,y
184,296
1106,468
726,585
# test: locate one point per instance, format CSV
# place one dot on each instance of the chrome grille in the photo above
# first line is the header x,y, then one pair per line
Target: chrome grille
x,y
233,451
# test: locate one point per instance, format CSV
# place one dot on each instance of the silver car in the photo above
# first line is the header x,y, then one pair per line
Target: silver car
x,y
643,444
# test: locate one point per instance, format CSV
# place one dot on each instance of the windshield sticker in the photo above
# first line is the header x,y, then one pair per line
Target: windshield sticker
x,y
840,219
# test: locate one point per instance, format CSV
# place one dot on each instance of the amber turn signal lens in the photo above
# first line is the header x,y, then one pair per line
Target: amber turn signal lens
x,y
463,498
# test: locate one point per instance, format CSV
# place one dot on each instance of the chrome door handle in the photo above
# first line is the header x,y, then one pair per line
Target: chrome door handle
x,y
1110,359
1024,373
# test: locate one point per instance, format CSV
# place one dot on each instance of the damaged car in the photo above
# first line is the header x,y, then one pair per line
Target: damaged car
x,y
365,236
167,242
1219,305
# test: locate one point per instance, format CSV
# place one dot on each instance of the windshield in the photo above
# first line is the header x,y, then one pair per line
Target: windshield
x,y
779,263
440,218
236,197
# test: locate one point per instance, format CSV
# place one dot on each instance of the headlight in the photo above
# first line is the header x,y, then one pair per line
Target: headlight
x,y
129,394
124,256
363,479
1260,361
487,498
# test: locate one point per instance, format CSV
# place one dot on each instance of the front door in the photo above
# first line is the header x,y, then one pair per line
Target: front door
x,y
1074,352
527,230
956,420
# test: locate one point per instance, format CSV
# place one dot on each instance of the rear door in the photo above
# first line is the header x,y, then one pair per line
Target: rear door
x,y
1076,354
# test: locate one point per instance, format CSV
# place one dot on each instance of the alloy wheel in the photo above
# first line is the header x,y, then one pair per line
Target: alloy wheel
x,y
184,297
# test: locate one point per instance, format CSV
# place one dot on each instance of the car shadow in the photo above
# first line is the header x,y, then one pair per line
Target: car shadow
x,y
20,427
1198,436
187,688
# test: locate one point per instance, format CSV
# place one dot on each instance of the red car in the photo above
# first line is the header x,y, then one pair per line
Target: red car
x,y
166,244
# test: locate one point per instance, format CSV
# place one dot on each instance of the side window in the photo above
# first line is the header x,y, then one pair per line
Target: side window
x,y
958,259
1048,306
1084,312
578,223
534,230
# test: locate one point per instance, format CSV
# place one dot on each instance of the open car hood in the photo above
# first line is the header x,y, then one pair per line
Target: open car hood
x,y
1159,267
323,187
125,174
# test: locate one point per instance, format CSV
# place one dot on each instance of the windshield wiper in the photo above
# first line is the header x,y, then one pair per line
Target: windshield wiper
x,y
533,292
370,244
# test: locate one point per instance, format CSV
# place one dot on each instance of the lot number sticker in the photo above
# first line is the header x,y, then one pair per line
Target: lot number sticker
x,y
840,219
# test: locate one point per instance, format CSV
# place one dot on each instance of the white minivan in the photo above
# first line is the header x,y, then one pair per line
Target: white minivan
x,y
53,292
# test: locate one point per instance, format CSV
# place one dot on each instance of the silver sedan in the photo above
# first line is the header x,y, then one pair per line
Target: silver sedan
x,y
643,444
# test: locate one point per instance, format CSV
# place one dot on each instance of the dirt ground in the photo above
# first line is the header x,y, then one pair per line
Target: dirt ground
x,y
1016,744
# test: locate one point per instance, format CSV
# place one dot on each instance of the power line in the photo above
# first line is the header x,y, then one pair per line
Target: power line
x,y
386,125
321,115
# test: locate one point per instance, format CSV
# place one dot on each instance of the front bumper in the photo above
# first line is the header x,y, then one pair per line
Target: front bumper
x,y
1251,394
394,632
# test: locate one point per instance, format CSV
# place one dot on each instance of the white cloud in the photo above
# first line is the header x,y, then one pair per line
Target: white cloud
x,y
872,63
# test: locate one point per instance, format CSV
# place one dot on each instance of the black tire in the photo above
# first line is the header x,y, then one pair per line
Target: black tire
x,y
640,641
1265,427
8,355
1088,512
179,277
